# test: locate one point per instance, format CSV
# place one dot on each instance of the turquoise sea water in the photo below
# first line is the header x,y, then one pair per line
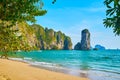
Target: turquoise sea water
x,y
96,65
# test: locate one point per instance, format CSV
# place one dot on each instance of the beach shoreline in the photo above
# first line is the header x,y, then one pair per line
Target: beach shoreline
x,y
17,70
53,67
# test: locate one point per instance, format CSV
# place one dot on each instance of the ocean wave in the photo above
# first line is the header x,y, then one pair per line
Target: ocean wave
x,y
27,58
16,59
44,64
76,72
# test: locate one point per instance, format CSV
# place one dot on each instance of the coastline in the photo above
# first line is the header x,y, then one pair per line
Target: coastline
x,y
16,70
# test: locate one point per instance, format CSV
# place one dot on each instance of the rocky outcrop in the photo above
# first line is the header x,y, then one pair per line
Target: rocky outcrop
x,y
48,39
78,46
36,37
24,37
67,43
85,41
99,47
28,39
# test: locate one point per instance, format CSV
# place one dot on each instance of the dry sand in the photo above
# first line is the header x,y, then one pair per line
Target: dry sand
x,y
14,70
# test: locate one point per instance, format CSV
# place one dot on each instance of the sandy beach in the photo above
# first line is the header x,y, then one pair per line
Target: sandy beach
x,y
14,70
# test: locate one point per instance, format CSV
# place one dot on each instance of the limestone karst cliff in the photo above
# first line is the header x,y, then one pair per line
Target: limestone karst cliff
x,y
49,39
85,41
36,37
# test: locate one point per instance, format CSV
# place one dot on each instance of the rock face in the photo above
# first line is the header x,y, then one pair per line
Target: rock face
x,y
85,41
67,43
28,40
78,46
48,39
34,37
99,47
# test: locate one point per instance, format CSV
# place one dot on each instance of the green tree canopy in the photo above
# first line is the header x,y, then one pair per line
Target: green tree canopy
x,y
11,13
113,15
20,10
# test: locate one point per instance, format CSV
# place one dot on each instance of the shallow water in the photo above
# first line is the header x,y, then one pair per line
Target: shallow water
x,y
96,65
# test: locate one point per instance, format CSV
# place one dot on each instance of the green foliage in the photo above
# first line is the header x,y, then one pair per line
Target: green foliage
x,y
20,10
39,31
113,15
28,39
60,36
15,34
24,37
49,39
55,48
8,39
49,33
11,13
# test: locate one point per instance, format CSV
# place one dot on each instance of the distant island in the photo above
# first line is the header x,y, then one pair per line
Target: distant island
x,y
85,42
99,47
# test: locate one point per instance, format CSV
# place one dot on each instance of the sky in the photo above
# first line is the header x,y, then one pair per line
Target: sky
x,y
72,16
